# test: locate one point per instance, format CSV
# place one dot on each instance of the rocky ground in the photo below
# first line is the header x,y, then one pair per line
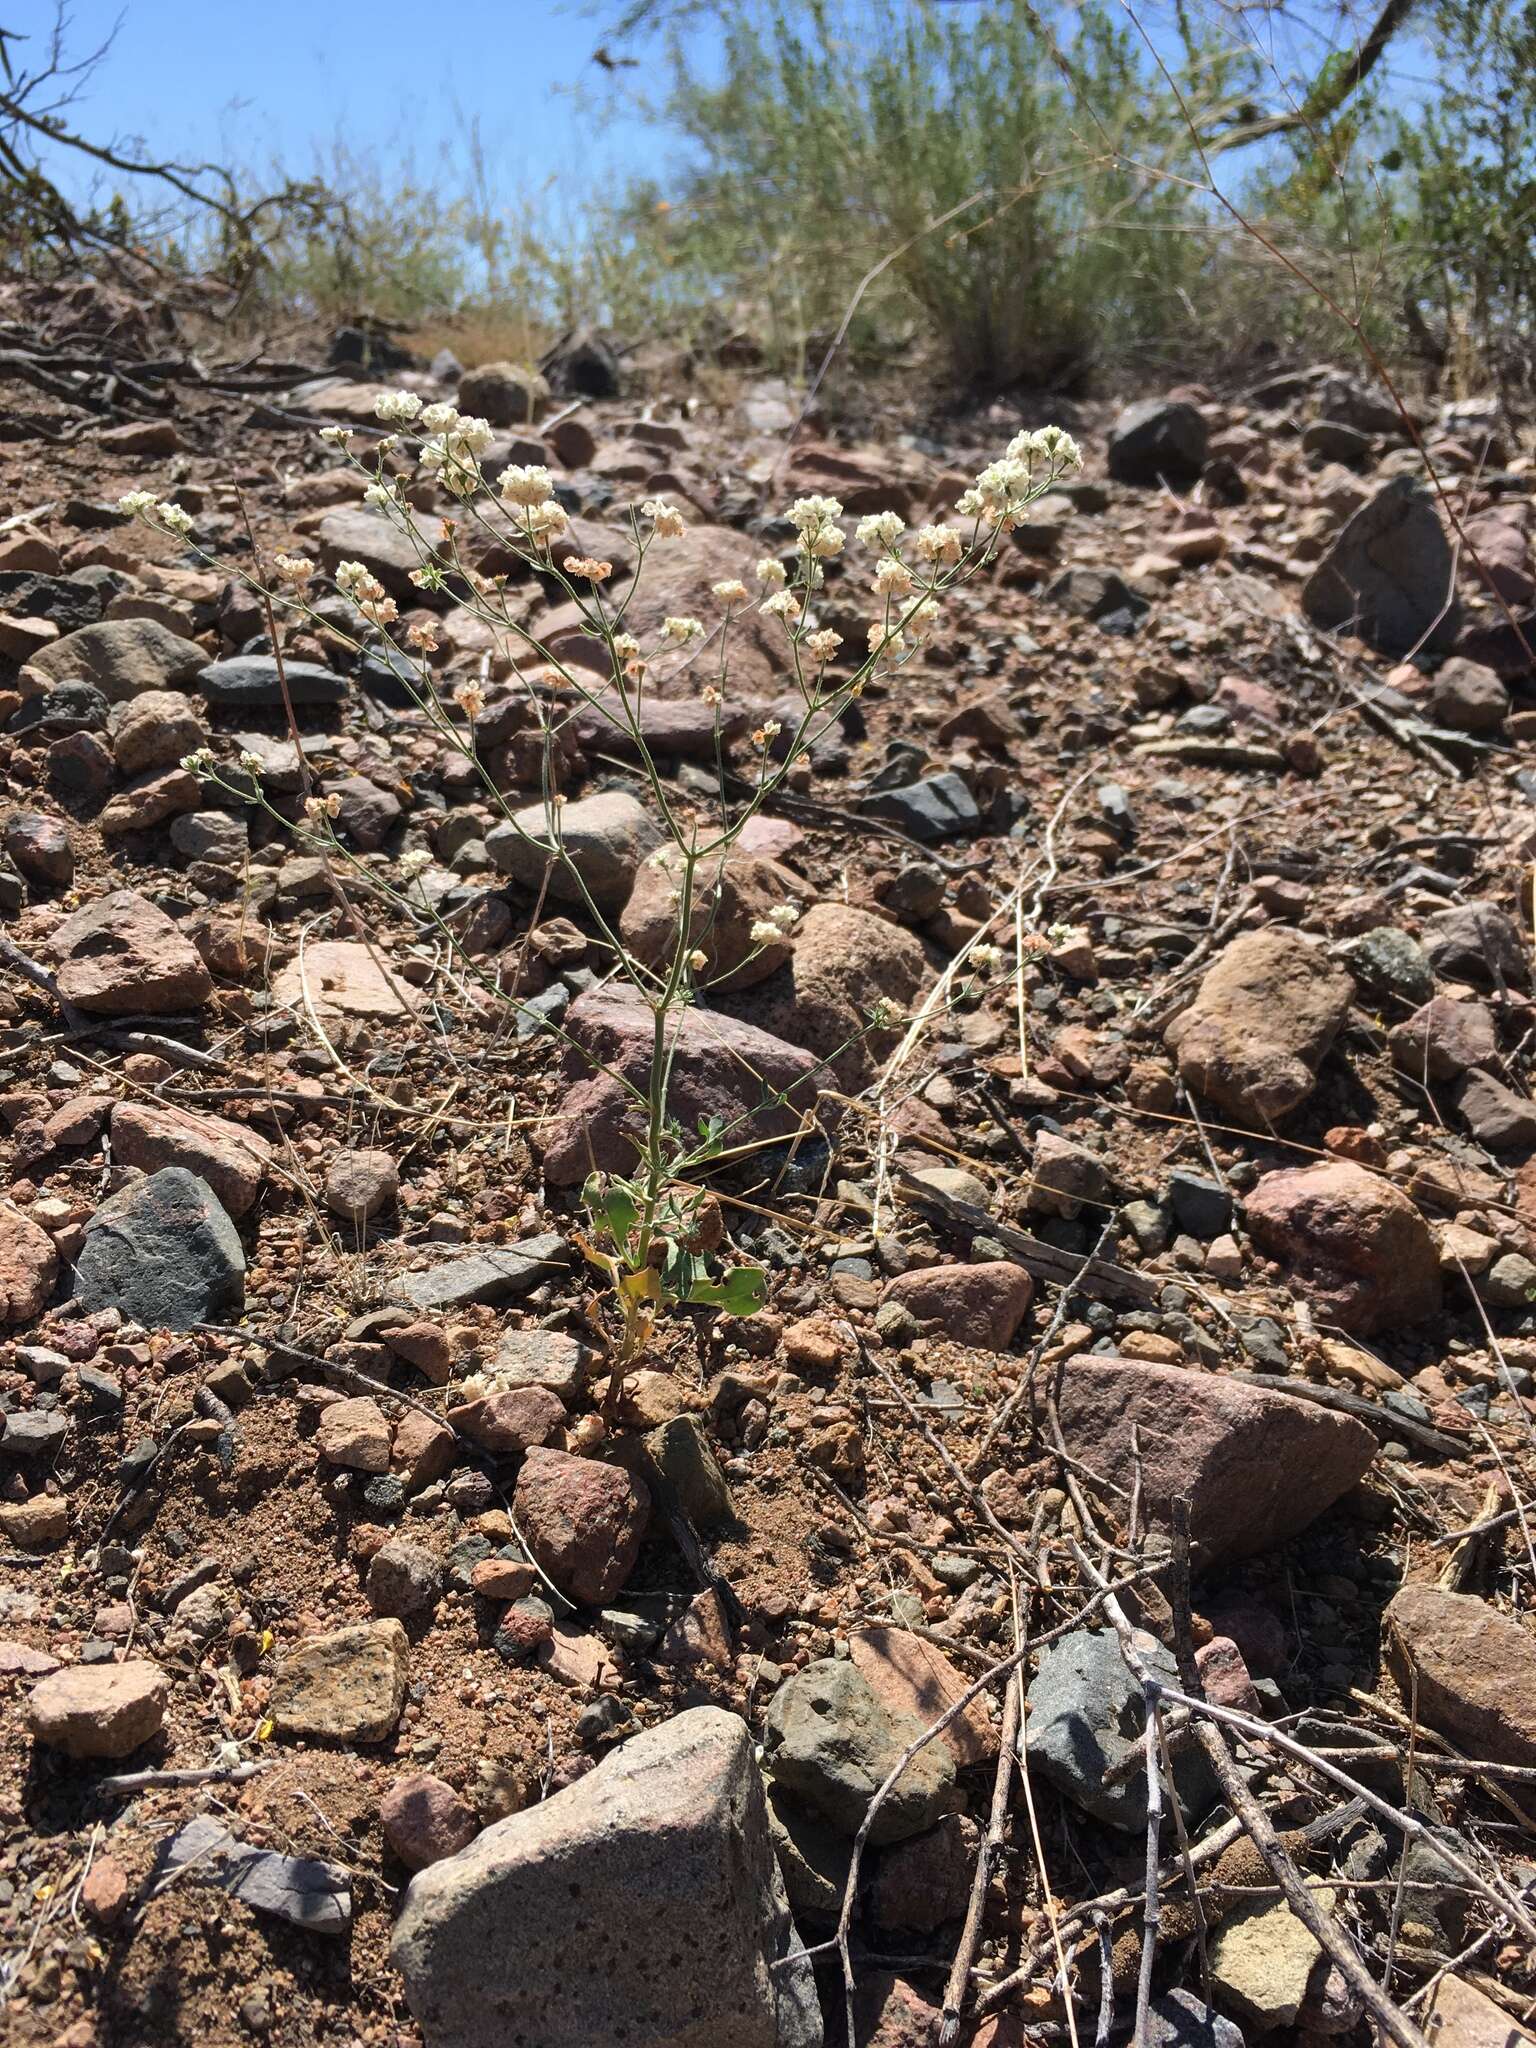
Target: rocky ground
x,y
1214,1190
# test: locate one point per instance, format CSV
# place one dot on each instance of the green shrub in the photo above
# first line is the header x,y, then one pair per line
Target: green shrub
x,y
838,134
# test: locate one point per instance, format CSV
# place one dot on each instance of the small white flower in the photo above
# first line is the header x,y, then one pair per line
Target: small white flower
x,y
937,543
893,578
764,932
772,573
294,569
414,861
986,957
807,515
136,504
731,591
397,408
698,961
679,632
924,619
470,699
784,916
526,484
784,604
335,437
881,531
437,419
821,646
666,521
379,496
548,520
200,762
250,764
322,806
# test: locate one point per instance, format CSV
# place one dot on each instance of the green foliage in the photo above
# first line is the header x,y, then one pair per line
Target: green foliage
x,y
1471,159
840,133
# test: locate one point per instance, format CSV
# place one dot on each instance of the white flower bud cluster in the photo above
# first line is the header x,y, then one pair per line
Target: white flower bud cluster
x,y
158,512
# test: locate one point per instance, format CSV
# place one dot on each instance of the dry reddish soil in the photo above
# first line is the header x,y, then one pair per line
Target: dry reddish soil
x,y
1138,842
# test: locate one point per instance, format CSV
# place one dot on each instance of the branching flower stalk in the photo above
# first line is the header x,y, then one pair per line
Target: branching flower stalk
x,y
651,1231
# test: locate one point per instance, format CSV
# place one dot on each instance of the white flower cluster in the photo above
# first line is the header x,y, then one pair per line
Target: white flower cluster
x,y
1004,489
815,520
526,484
397,408
667,523
155,512
781,920
366,592
452,453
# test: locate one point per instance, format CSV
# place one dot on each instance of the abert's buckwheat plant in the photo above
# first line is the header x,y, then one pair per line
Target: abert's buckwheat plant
x,y
651,1229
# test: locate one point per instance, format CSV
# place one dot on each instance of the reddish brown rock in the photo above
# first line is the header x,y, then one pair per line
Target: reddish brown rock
x,y
360,1185
1355,1244
512,1419
1225,1676
40,848
1443,1040
732,895
981,1306
99,1710
122,955
845,962
423,1450
425,1820
105,1891
1256,1467
926,1880
232,1158
157,729
1474,1669
1458,2015
913,1678
355,1435
720,1067
29,1266
1267,1010
582,1521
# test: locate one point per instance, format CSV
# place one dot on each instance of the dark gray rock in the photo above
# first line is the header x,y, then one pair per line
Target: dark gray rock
x,y
1180,2020
1201,1206
299,1889
831,1741
938,807
642,1904
1476,942
69,601
682,1455
1389,575
250,680
1100,596
1389,962
1085,1717
164,1253
494,1273
67,707
33,1432
1157,441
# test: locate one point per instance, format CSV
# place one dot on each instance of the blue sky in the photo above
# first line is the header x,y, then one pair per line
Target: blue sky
x,y
261,81
257,83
